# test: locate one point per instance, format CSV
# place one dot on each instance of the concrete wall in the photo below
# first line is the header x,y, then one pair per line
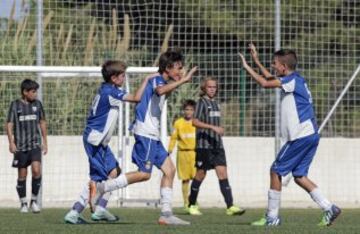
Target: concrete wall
x,y
65,171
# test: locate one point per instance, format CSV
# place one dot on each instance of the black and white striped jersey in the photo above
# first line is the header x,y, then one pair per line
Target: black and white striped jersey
x,y
208,111
26,118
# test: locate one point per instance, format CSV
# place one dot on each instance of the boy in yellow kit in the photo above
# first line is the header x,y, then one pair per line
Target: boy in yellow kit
x,y
184,133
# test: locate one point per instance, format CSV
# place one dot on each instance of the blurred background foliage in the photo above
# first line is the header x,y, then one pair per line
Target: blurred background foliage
x,y
325,35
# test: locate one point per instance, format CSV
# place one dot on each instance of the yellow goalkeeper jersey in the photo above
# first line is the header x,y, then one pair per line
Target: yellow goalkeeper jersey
x,y
184,133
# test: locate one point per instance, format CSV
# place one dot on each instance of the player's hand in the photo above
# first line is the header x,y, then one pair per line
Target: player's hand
x,y
243,60
253,52
218,130
44,148
188,76
12,148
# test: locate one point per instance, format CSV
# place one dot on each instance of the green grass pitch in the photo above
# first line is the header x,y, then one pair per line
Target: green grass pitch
x,y
143,220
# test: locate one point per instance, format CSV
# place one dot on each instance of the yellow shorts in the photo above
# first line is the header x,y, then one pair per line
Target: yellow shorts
x,y
185,164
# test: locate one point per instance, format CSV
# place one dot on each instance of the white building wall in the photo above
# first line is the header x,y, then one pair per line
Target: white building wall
x,y
335,169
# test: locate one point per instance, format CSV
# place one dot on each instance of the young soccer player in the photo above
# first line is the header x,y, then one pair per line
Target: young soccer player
x,y
210,153
100,125
26,115
148,150
299,131
184,134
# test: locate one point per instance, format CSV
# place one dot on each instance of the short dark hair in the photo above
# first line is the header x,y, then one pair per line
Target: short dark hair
x,y
287,57
112,68
28,84
169,58
188,102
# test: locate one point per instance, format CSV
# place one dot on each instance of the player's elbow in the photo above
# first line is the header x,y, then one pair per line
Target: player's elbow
x,y
136,99
195,123
160,92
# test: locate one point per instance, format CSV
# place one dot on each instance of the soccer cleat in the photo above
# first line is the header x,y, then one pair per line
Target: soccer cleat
x,y
34,207
104,215
273,221
94,195
194,210
330,216
234,210
24,208
171,220
260,222
267,222
73,217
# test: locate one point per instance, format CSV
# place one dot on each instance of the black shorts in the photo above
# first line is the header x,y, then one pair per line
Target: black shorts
x,y
22,159
207,159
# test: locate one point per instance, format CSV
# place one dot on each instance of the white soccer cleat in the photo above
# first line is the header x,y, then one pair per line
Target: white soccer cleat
x,y
34,207
73,217
172,220
104,215
24,208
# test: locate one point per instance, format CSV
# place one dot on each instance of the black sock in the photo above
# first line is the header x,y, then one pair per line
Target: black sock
x,y
35,185
194,191
226,192
21,189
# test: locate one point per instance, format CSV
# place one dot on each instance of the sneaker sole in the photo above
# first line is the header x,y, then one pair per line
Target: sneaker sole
x,y
106,220
238,214
77,223
196,214
163,223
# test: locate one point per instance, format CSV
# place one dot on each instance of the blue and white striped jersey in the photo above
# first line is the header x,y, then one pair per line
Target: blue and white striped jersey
x,y
148,110
297,113
103,114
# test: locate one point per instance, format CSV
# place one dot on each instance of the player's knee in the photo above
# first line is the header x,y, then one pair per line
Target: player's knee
x,y
170,173
222,174
118,171
36,172
173,170
170,170
144,176
200,175
115,172
298,179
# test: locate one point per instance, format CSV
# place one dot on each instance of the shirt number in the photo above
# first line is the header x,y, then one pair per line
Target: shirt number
x,y
95,104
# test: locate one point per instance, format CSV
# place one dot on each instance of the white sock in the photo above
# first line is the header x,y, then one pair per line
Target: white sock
x,y
34,197
23,200
102,202
82,201
73,212
322,201
84,195
117,183
273,203
166,200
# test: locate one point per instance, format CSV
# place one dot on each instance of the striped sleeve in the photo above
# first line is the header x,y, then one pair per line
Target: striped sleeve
x,y
199,109
41,112
12,112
